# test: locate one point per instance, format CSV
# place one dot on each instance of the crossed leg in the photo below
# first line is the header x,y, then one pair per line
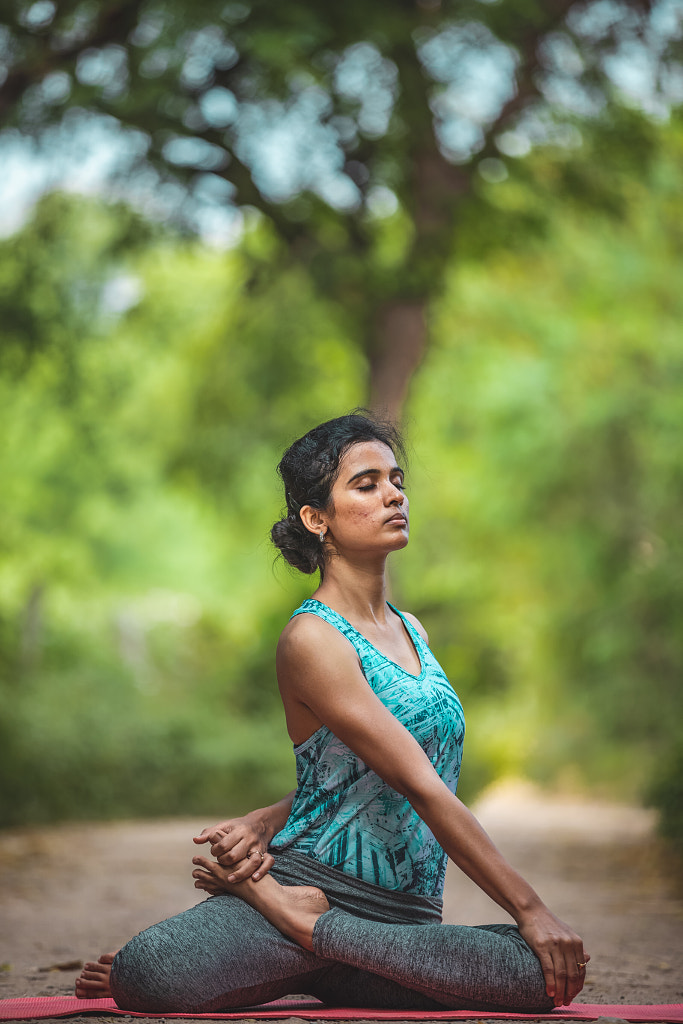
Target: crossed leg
x,y
264,940
457,966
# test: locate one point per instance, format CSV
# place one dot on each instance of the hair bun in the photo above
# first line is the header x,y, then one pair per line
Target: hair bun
x,y
300,548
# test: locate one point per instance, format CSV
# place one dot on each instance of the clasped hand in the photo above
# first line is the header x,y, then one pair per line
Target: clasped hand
x,y
560,951
240,851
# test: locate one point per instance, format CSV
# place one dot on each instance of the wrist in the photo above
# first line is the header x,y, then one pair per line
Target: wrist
x,y
260,822
527,907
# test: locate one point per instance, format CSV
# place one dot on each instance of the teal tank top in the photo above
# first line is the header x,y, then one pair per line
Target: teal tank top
x,y
343,813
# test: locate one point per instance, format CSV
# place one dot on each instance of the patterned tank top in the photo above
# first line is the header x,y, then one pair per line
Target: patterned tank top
x,y
343,813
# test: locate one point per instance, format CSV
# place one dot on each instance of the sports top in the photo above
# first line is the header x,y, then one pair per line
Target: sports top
x,y
343,813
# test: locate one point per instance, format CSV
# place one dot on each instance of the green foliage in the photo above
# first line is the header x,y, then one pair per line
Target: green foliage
x,y
358,131
139,608
85,742
549,415
280,341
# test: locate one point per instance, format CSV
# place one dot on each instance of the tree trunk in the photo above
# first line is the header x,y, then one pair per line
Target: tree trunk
x,y
399,345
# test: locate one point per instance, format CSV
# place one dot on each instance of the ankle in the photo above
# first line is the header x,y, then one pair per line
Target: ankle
x,y
301,918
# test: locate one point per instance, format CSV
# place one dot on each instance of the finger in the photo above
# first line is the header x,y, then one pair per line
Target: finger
x,y
548,969
230,853
561,982
577,977
232,836
245,869
264,868
575,963
201,881
215,835
207,836
254,860
203,862
211,889
565,970
209,884
204,870
212,830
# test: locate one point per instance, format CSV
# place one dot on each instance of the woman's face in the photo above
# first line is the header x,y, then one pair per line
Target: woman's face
x,y
369,509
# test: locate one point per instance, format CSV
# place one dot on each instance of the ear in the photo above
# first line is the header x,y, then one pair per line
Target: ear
x,y
313,519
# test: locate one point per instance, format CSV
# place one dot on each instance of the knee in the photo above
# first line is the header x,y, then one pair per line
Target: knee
x,y
130,974
143,979
527,993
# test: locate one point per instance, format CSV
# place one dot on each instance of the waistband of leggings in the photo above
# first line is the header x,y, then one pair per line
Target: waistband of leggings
x,y
364,899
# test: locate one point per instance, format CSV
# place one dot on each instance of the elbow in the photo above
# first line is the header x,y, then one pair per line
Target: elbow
x,y
420,789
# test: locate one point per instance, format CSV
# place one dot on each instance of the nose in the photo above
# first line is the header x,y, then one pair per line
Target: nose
x,y
394,495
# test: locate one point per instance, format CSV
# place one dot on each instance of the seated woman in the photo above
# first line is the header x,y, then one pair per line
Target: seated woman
x,y
336,891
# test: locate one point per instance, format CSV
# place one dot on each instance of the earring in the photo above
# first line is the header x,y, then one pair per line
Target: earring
x,y
322,536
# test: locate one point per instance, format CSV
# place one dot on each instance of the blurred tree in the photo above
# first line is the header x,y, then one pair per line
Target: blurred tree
x,y
550,560
546,560
358,131
138,620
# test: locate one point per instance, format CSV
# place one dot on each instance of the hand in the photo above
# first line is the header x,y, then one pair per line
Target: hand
x,y
211,877
240,847
560,951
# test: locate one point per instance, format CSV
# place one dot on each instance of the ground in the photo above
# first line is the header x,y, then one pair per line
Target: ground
x,y
68,893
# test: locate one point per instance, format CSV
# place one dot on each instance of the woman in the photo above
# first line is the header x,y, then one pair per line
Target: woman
x,y
336,890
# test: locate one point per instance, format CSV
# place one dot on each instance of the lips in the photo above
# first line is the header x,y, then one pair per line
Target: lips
x,y
397,518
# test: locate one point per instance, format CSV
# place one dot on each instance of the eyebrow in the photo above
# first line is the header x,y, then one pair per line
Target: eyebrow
x,y
369,472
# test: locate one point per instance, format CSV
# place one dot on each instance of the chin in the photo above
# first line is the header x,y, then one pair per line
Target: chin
x,y
400,541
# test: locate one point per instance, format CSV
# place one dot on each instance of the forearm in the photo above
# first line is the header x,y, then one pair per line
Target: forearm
x,y
469,846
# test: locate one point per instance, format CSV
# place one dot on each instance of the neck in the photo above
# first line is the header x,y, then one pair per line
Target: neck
x,y
356,591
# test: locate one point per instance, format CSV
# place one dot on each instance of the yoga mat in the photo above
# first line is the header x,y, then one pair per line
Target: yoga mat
x,y
311,1009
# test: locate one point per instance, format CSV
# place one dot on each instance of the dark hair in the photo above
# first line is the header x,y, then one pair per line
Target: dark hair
x,y
309,469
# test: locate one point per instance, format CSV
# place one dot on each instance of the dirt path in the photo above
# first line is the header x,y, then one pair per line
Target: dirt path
x,y
70,892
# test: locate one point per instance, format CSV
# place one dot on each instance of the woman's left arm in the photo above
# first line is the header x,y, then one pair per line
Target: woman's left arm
x,y
318,668
558,947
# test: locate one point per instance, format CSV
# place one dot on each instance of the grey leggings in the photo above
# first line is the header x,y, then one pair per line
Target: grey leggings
x,y
373,948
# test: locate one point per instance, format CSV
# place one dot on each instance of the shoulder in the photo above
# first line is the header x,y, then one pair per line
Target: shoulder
x,y
414,621
308,639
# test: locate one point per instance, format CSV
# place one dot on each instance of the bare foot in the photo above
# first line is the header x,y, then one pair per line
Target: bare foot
x,y
293,909
93,981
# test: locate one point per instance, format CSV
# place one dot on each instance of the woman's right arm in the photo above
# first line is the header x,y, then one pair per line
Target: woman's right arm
x,y
237,842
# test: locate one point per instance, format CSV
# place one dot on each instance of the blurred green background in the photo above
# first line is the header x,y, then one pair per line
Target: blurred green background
x,y
467,215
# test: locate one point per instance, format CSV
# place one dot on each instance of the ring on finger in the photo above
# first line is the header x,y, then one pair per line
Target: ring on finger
x,y
580,966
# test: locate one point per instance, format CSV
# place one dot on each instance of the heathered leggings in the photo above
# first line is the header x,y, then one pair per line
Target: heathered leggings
x,y
374,948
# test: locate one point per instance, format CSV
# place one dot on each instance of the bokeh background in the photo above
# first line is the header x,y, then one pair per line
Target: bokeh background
x,y
224,222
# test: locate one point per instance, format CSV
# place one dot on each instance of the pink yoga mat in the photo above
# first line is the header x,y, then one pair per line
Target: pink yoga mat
x,y
311,1009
